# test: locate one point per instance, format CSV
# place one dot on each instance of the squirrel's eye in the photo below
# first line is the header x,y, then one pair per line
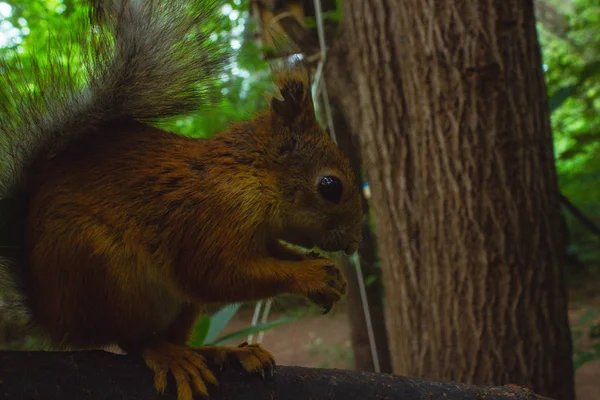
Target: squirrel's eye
x,y
331,188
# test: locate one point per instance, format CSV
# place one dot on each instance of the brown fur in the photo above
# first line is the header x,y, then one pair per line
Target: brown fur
x,y
137,222
130,231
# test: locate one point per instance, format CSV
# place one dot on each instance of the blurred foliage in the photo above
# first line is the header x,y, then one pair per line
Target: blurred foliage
x,y
27,26
569,33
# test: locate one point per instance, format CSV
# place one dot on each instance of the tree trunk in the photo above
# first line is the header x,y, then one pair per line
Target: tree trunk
x,y
451,109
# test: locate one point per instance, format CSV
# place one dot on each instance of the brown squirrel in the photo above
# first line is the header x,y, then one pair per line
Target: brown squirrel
x,y
130,230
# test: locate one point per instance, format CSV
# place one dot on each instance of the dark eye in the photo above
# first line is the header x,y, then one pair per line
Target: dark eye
x,y
331,188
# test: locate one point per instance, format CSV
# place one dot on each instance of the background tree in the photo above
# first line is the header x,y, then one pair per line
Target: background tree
x,y
450,108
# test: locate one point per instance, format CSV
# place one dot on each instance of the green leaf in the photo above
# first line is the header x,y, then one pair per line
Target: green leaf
x,y
254,329
220,320
200,331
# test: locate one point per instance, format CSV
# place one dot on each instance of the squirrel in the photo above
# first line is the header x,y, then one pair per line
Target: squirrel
x,y
129,230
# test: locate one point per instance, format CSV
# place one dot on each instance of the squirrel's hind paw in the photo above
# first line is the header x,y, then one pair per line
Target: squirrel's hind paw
x,y
253,358
189,365
185,363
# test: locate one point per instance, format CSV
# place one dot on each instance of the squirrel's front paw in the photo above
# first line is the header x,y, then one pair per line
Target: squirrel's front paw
x,y
323,283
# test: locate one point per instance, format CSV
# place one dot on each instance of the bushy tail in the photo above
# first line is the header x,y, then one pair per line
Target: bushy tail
x,y
142,59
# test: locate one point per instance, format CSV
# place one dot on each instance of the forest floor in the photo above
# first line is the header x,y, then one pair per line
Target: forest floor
x,y
315,340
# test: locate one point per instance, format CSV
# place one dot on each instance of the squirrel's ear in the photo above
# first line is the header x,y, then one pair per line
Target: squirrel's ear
x,y
293,82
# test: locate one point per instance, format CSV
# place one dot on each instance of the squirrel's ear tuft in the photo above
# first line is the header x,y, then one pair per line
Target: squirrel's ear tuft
x,y
293,82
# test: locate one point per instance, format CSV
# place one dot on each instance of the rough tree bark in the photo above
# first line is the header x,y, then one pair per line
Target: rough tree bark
x,y
452,117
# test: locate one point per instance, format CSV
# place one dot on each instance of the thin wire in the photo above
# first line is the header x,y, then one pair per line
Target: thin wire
x,y
319,81
317,78
355,259
328,113
255,319
322,47
264,319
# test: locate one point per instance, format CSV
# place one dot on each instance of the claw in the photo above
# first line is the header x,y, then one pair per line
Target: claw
x,y
187,367
253,358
